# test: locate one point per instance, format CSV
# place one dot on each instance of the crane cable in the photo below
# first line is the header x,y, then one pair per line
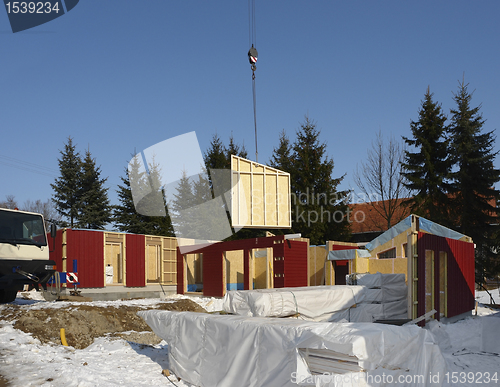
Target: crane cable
x,y
252,57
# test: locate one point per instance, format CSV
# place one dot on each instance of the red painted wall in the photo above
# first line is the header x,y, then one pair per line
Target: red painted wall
x,y
461,269
136,260
279,257
212,273
295,263
180,272
87,247
56,253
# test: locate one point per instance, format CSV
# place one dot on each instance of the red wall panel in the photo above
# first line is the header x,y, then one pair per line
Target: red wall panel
x,y
460,273
87,247
295,263
461,277
279,265
213,261
55,252
136,260
180,272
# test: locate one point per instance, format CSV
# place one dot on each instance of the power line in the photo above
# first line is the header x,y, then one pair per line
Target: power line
x,y
27,166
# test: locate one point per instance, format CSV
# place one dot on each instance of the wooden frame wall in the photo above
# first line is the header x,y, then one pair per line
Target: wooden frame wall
x,y
260,195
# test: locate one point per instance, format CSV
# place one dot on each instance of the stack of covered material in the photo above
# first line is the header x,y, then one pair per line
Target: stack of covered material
x,y
374,297
386,298
311,303
222,350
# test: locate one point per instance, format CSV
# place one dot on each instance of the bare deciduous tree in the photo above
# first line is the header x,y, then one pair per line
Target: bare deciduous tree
x,y
9,202
45,208
381,182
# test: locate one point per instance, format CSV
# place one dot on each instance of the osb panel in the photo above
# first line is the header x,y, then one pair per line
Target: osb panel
x,y
270,208
257,168
283,196
239,164
362,265
317,259
234,266
257,200
260,272
169,243
114,237
245,192
396,242
192,268
329,273
381,265
401,266
153,240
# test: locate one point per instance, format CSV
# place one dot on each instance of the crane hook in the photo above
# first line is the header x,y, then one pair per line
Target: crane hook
x,y
252,57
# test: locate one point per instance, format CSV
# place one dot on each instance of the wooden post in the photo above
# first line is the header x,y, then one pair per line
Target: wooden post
x,y
224,273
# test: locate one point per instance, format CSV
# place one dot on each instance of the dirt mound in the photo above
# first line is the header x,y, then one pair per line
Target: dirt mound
x,y
83,323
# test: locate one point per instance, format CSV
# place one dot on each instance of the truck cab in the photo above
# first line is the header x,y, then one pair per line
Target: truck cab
x,y
24,252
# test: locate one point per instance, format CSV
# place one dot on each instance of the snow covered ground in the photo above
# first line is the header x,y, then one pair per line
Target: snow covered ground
x,y
24,361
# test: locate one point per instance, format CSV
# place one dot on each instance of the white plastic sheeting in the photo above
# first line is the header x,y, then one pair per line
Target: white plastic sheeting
x,y
311,303
383,287
220,350
377,296
340,255
369,312
377,280
424,225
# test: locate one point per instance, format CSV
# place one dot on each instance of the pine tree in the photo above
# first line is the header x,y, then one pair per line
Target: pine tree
x,y
426,170
280,159
67,188
181,209
473,183
216,156
94,210
126,217
236,150
319,211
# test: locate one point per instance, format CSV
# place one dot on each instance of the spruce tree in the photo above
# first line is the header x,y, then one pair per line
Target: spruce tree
x,y
94,210
236,150
319,211
67,188
426,170
216,155
181,208
280,158
126,217
473,181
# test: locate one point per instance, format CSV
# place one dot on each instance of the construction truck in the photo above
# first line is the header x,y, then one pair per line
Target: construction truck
x,y
24,252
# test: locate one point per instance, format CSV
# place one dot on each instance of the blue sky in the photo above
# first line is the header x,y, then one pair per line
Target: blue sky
x,y
123,75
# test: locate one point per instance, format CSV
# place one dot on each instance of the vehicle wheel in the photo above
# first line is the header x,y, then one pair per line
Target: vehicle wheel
x,y
7,295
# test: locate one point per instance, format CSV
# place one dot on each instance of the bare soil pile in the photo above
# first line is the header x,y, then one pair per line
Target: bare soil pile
x,y
83,323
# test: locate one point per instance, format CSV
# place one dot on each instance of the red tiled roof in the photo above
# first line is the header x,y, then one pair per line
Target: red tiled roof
x,y
367,217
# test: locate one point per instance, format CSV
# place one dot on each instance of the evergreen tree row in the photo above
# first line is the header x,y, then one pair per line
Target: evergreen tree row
x,y
452,174
79,193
